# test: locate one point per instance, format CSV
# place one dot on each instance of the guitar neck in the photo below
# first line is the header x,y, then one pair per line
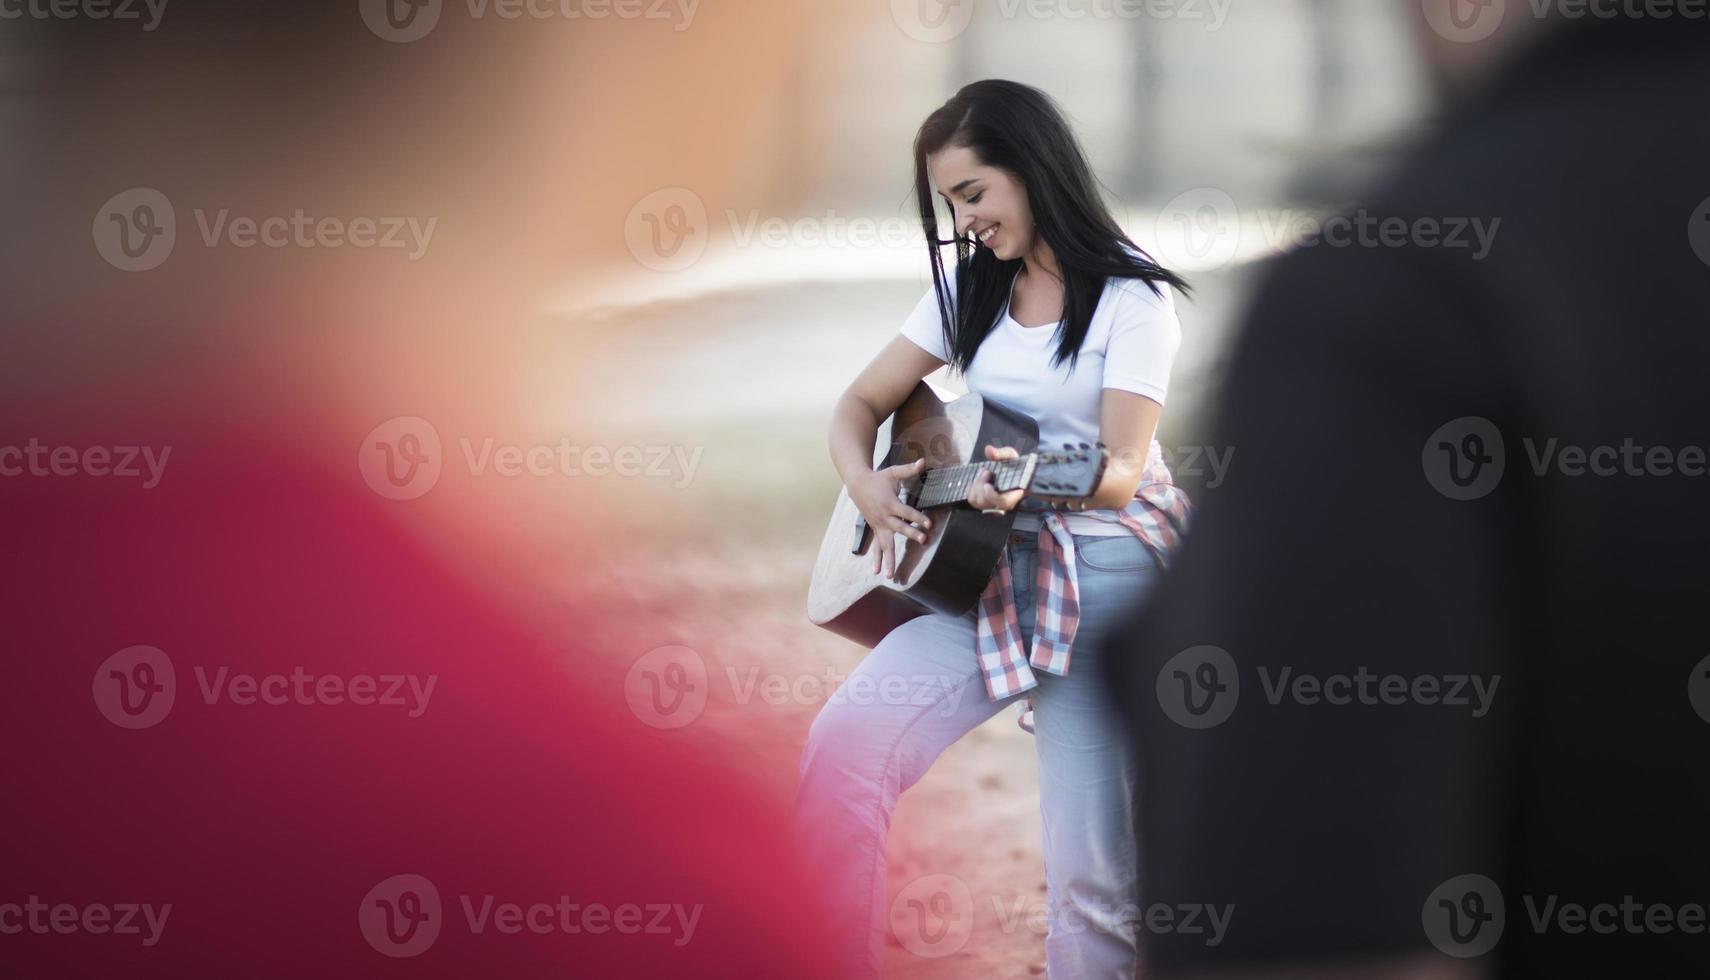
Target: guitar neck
x,y
950,484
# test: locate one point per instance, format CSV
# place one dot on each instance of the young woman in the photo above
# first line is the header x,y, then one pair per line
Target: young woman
x,y
1051,310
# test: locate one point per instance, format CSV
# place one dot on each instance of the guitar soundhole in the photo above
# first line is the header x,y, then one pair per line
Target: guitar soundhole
x,y
937,450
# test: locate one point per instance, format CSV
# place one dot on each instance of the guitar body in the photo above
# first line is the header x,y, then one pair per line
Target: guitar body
x,y
948,572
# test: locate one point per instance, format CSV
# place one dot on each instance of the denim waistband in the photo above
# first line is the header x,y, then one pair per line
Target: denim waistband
x,y
1030,539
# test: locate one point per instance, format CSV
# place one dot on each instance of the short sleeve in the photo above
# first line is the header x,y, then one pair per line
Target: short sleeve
x,y
923,325
1144,337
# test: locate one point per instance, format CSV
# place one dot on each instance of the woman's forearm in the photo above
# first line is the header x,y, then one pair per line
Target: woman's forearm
x,y
854,431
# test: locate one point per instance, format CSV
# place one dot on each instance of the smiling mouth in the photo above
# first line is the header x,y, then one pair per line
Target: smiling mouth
x,y
985,237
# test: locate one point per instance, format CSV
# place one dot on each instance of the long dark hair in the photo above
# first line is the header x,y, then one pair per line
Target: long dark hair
x,y
1019,129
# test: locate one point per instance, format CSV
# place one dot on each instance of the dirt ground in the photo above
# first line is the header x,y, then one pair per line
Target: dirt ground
x,y
738,606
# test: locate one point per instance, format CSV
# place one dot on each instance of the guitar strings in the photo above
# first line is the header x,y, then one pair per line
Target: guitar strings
x,y
949,484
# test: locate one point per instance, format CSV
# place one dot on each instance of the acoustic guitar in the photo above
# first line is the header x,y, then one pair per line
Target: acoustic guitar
x,y
948,572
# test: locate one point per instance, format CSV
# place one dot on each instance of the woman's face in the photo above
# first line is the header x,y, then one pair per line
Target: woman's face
x,y
985,201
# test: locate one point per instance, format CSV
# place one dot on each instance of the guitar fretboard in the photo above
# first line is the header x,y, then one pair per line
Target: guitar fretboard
x,y
950,484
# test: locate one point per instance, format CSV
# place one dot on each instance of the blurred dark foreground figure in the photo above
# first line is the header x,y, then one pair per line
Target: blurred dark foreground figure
x,y
1426,693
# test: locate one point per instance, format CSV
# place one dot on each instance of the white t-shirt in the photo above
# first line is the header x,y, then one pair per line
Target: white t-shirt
x,y
1130,344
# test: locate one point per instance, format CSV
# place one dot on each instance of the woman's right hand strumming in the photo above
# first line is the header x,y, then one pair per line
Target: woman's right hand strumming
x,y
874,493
875,395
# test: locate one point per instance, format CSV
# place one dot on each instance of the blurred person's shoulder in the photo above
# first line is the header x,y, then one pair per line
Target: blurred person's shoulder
x,y
1593,119
1581,115
1507,202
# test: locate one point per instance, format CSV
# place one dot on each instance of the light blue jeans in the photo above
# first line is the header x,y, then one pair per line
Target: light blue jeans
x,y
920,690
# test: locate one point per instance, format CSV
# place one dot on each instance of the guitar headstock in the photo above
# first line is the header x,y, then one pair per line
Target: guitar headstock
x,y
1073,471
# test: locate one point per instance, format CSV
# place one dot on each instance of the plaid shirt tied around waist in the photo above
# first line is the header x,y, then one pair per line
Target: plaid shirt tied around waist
x,y
1158,516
